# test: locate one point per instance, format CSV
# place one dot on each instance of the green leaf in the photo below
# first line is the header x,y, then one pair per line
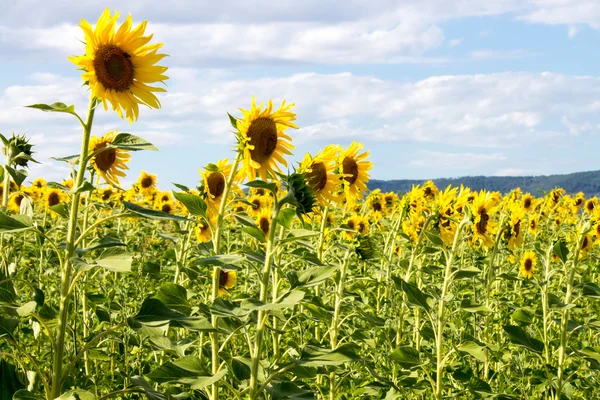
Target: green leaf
x,y
154,313
186,370
7,327
466,273
310,277
290,390
55,107
194,203
590,289
56,185
561,250
26,309
73,160
26,395
315,356
479,352
518,336
175,297
151,394
210,167
232,121
290,299
115,259
286,216
263,185
14,224
414,296
130,142
227,262
105,242
18,175
61,209
151,214
523,316
9,380
85,187
406,356
77,394
467,306
435,239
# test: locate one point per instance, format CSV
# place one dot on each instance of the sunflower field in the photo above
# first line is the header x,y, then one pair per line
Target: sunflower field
x,y
273,281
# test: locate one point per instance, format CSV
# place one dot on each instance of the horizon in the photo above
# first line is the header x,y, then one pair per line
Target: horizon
x,y
432,89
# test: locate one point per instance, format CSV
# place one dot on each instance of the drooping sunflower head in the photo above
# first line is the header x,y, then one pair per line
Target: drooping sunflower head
x,y
146,183
533,225
109,162
263,140
577,202
300,193
516,228
555,196
528,262
106,194
390,198
321,173
353,168
120,64
203,232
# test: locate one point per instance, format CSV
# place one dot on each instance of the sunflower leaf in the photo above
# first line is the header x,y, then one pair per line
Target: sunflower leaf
x,y
262,185
232,121
518,336
18,175
55,107
151,214
194,203
14,224
127,141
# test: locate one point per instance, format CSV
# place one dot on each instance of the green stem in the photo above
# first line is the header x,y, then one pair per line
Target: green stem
x,y
441,305
214,336
6,187
262,315
335,324
65,281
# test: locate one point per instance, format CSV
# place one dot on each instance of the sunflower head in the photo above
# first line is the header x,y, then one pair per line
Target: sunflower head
x,y
15,201
108,161
120,64
146,183
214,182
17,150
353,167
262,139
528,262
203,232
227,280
358,224
321,174
300,193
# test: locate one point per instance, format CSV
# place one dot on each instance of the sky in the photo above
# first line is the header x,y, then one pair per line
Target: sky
x,y
433,88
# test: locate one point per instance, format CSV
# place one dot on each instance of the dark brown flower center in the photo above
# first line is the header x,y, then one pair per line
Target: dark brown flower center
x,y
113,67
427,192
350,169
317,177
216,183
223,277
19,199
164,198
527,202
257,204
264,225
53,199
377,206
528,264
532,224
263,136
578,201
106,194
351,225
362,227
590,205
166,208
260,191
106,158
147,182
517,228
585,243
483,221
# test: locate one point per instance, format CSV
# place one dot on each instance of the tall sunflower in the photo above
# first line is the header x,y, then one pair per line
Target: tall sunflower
x,y
320,173
146,184
119,65
263,140
214,183
109,163
528,262
353,167
483,206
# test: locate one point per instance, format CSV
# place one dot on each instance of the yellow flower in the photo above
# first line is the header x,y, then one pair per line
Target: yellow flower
x,y
391,199
263,139
533,225
259,203
68,183
516,228
577,202
263,220
109,162
528,262
203,232
227,280
445,206
168,207
214,185
376,202
353,167
53,197
14,202
591,205
146,184
119,64
106,194
320,174
429,190
483,206
358,224
528,202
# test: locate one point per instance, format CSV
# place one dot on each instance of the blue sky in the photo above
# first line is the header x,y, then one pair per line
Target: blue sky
x,y
433,88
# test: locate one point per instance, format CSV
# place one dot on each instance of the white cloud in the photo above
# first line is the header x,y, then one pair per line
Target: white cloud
x,y
425,159
499,54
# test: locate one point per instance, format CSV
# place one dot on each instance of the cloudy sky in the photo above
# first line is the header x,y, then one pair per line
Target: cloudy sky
x,y
434,88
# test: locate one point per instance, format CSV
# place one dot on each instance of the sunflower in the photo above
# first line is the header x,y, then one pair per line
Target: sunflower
x,y
591,205
38,188
168,207
162,197
413,225
259,203
53,197
586,246
263,220
445,206
353,167
358,224
390,199
430,190
320,173
68,183
14,203
577,202
119,64
106,194
376,202
555,196
516,228
528,262
108,163
146,184
533,225
527,202
483,206
263,140
227,280
214,184
203,232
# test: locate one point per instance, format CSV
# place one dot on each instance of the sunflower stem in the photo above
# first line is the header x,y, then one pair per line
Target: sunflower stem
x,y
262,315
214,336
65,282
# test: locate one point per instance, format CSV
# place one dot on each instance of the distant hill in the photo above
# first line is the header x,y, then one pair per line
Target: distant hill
x,y
586,182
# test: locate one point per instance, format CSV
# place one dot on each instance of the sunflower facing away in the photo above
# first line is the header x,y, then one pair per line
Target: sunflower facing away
x,y
320,173
528,262
119,65
263,138
353,167
109,163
